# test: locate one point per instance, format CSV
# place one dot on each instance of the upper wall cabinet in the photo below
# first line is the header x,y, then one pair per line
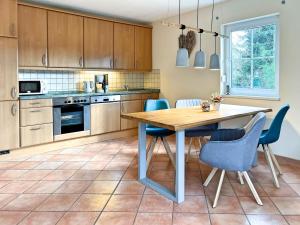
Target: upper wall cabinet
x,y
32,36
143,48
123,46
98,43
65,40
8,18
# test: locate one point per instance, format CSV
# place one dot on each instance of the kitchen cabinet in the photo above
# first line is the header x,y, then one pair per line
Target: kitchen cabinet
x,y
37,134
33,103
130,107
65,40
123,46
8,18
98,43
8,69
105,117
9,125
32,36
34,116
143,48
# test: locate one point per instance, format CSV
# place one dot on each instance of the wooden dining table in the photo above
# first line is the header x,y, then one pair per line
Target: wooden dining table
x,y
178,120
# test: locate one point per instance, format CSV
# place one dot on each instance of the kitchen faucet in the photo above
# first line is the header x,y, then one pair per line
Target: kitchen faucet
x,y
126,87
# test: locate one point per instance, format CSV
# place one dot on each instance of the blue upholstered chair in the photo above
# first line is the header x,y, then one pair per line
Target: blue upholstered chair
x,y
157,132
233,150
270,136
196,132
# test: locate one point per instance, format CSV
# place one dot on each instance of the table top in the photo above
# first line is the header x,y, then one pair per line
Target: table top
x,y
180,119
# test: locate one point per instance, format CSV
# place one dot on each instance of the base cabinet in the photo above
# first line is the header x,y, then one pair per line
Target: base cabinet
x,y
105,118
130,107
37,134
9,125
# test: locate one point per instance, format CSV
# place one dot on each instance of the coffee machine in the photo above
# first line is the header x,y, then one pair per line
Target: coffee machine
x,y
101,83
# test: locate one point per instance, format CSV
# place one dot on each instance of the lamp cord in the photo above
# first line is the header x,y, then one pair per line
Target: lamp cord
x,y
179,12
212,16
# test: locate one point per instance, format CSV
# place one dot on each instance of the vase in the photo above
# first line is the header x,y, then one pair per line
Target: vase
x,y
215,106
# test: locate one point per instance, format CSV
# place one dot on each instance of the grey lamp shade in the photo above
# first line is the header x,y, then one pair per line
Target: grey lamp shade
x,y
199,60
214,62
182,58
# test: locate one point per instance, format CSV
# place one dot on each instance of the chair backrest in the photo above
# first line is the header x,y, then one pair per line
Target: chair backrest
x,y
155,104
275,128
185,103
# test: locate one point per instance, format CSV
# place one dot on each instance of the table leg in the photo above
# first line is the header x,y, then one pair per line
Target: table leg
x,y
180,183
142,152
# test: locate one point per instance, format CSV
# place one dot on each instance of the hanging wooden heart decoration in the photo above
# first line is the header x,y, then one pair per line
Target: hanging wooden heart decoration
x,y
187,41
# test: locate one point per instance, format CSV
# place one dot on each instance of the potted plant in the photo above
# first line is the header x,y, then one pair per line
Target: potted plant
x,y
216,100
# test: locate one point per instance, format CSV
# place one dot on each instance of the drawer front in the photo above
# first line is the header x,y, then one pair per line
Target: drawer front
x,y
130,107
34,135
34,116
150,96
131,97
35,103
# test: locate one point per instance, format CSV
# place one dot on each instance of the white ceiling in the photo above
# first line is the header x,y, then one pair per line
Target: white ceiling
x,y
144,11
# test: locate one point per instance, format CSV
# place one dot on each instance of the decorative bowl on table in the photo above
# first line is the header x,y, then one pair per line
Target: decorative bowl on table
x,y
205,106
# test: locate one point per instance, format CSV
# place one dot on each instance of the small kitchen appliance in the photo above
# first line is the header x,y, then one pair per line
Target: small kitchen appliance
x,y
32,87
88,86
101,83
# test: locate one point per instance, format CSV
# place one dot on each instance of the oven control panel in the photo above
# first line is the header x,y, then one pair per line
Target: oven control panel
x,y
103,99
71,100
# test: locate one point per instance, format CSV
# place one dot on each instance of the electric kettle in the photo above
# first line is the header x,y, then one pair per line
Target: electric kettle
x,y
88,86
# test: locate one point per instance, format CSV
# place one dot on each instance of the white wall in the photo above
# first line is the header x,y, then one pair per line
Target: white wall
x,y
189,83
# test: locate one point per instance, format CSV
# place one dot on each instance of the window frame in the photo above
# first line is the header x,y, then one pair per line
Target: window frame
x,y
227,29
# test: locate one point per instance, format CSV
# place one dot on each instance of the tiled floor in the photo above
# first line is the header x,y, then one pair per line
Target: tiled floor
x,y
96,184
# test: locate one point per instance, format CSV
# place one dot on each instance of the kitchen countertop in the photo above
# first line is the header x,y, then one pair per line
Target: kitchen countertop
x,y
59,94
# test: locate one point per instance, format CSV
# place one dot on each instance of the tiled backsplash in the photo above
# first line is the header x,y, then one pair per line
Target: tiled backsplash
x,y
59,80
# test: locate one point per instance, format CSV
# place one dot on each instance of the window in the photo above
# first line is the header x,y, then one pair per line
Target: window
x,y
250,58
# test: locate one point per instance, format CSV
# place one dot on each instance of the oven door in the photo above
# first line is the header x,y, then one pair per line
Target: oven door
x,y
30,87
71,118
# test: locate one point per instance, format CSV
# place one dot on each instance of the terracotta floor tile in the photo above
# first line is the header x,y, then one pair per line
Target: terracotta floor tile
x,y
130,187
264,178
226,205
156,203
60,175
228,219
71,165
190,219
153,218
117,166
17,187
162,175
78,218
216,178
103,158
42,218
116,218
90,202
45,187
251,207
292,178
11,174
6,198
110,175
284,191
226,190
58,202
85,175
130,174
73,187
296,188
167,184
3,183
123,203
11,218
102,187
35,175
192,204
287,205
7,165
266,220
41,157
48,165
293,220
97,165
244,190
26,165
194,187
25,202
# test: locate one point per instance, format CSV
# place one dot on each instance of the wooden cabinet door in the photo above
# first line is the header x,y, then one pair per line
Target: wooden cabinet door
x,y
65,40
9,125
98,43
105,117
8,18
32,36
130,107
143,48
8,69
123,46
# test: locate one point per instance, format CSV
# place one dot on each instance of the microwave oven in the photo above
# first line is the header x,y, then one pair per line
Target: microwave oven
x,y
32,87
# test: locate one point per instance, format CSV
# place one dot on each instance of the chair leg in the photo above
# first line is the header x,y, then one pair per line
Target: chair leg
x,y
275,160
169,152
151,149
269,160
210,176
252,188
189,149
240,175
219,189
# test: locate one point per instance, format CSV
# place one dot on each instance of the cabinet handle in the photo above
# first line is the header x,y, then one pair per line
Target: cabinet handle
x,y
35,111
37,128
14,109
13,93
80,61
115,63
12,29
35,103
44,59
111,63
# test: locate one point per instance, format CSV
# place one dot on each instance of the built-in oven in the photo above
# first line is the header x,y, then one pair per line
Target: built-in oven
x,y
71,117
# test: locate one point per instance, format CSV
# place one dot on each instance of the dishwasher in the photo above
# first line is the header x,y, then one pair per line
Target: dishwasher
x,y
105,114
